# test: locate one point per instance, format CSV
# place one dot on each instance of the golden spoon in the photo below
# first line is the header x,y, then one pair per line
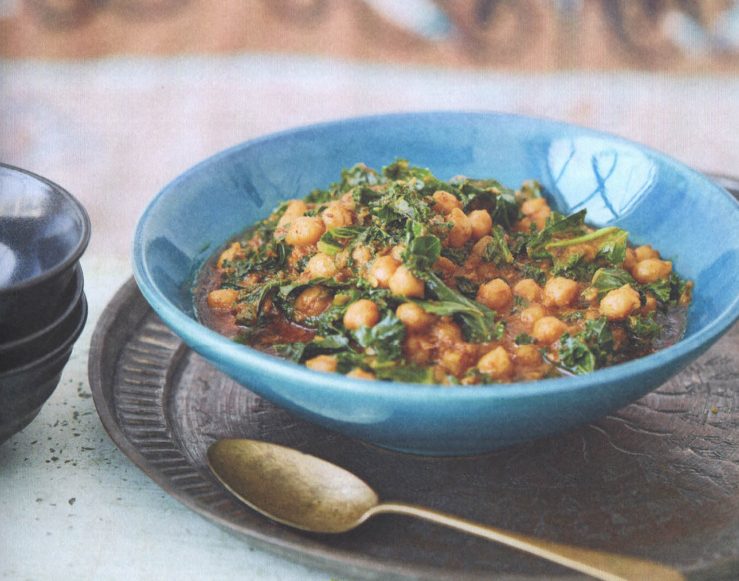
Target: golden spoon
x,y
311,494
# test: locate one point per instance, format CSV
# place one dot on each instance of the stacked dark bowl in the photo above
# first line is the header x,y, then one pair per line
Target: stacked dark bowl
x,y
43,309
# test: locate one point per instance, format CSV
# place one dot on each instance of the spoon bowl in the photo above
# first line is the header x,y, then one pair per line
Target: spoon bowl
x,y
311,494
291,487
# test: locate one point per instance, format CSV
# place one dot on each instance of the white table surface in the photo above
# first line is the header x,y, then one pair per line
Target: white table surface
x,y
113,132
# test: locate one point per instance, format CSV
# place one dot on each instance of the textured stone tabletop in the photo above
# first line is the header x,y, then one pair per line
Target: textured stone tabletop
x,y
114,132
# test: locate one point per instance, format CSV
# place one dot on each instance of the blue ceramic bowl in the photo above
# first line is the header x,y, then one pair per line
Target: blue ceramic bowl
x,y
689,218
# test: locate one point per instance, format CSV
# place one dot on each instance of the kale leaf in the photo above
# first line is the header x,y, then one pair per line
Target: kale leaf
x,y
478,321
385,339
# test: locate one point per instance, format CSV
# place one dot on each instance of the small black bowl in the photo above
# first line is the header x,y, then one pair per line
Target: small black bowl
x,y
24,390
21,351
43,232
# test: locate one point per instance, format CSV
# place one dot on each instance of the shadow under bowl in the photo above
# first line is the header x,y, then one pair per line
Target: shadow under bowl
x,y
22,351
44,231
25,389
658,200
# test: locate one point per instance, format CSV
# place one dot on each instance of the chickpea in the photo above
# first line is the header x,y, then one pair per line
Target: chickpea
x,y
527,289
414,317
629,260
495,294
312,302
363,313
445,202
619,303
418,349
445,266
481,223
452,361
531,314
534,205
359,373
232,252
461,229
496,363
347,201
223,298
327,363
478,248
650,304
295,209
620,337
527,355
651,270
382,269
560,291
644,252
547,330
336,216
540,218
447,332
304,231
397,252
404,283
361,255
321,266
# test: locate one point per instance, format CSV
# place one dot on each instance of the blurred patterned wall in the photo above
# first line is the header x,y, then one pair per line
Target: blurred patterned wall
x,y
674,35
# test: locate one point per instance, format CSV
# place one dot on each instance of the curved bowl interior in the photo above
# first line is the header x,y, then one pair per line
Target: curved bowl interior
x,y
687,217
43,228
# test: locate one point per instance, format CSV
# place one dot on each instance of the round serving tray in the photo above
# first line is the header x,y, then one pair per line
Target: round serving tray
x,y
659,479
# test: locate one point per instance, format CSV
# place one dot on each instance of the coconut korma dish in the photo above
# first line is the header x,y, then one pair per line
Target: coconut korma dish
x,y
398,275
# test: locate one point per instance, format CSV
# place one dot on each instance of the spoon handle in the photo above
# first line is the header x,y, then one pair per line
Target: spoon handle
x,y
607,566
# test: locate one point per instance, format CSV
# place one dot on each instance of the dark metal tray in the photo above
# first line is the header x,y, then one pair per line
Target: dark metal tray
x,y
658,479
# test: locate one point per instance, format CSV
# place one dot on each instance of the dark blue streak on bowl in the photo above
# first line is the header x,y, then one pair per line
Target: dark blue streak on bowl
x,y
687,217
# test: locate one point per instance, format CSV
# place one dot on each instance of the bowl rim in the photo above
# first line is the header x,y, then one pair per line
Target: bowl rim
x,y
231,351
76,252
78,282
59,350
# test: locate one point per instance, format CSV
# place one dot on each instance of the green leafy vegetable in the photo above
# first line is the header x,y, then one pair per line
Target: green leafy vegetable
x,y
668,290
497,250
608,279
249,308
385,339
335,239
588,350
524,339
422,252
467,287
575,356
478,321
642,329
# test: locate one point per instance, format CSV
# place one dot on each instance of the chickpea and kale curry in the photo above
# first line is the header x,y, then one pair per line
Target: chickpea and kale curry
x,y
397,275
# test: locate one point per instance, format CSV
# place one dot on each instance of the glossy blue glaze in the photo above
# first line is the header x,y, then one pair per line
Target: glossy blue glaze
x,y
690,219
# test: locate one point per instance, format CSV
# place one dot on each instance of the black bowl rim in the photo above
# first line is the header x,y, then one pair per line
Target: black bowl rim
x,y
76,252
79,283
55,353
